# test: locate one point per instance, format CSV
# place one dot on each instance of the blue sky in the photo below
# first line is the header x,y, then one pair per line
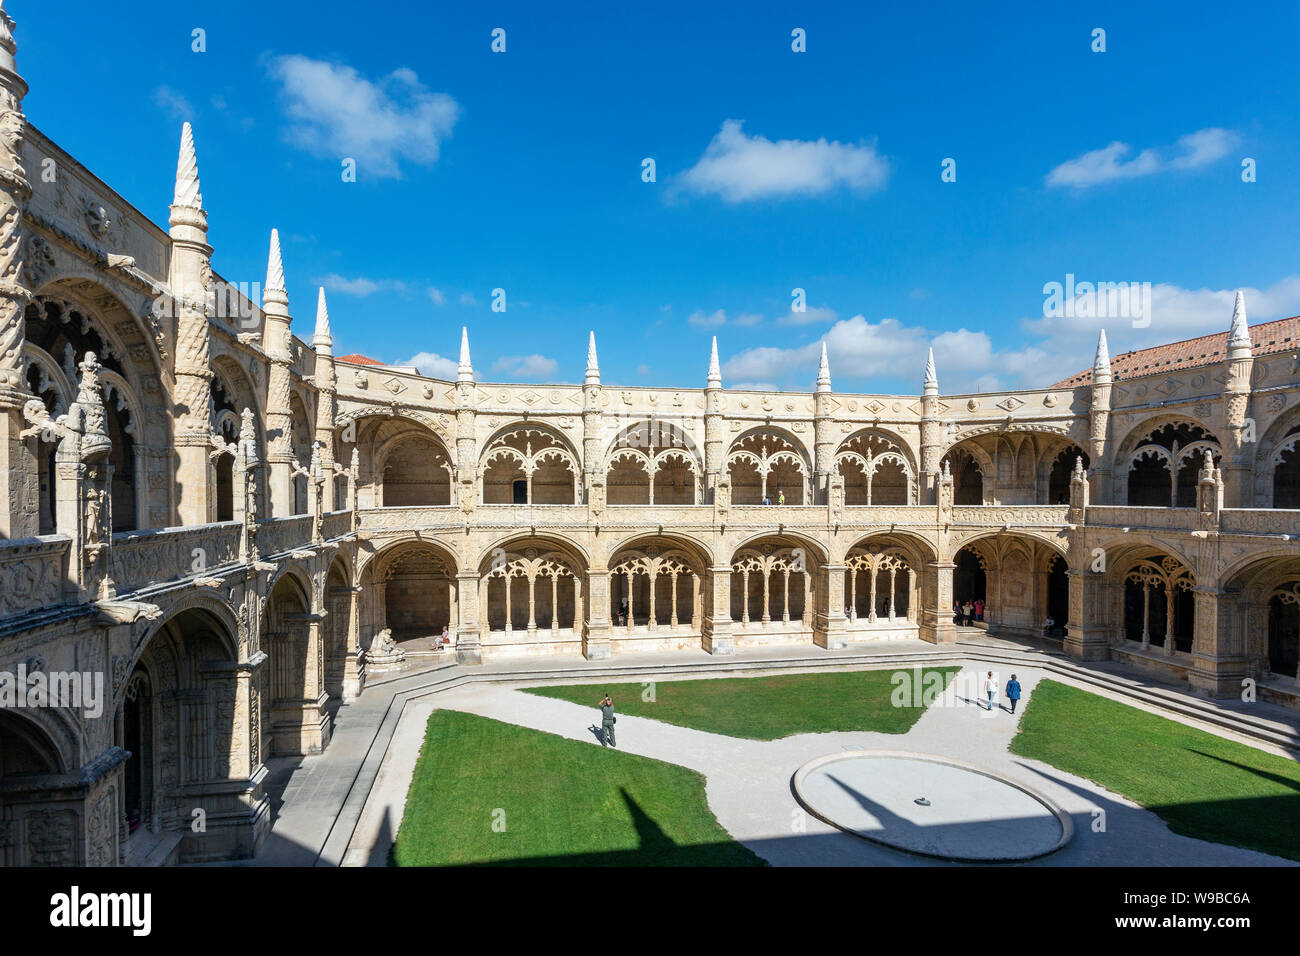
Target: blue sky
x,y
775,170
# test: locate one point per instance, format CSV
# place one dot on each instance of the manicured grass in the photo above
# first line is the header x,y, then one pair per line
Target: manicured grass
x,y
562,802
763,708
1201,785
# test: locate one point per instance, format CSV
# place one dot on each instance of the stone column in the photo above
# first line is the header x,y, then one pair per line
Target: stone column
x,y
19,473
1087,637
596,633
830,630
1218,666
715,632
936,611
473,619
354,667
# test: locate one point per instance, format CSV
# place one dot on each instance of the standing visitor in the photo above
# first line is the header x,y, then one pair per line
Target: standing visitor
x,y
991,688
780,497
1013,692
979,610
607,720
966,611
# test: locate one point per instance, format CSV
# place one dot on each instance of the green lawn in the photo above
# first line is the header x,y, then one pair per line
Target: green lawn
x,y
1201,785
562,803
763,708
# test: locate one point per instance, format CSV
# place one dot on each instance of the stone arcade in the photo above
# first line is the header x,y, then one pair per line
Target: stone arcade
x,y
223,520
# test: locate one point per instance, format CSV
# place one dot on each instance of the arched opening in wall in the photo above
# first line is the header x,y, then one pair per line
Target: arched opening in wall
x,y
1159,608
291,705
41,381
338,621
66,332
27,758
766,466
969,584
627,482
417,473
189,734
1058,595
419,596
882,583
1284,632
1058,481
675,480
877,470
655,587
228,428
1164,465
137,737
531,597
301,442
539,458
1286,471
773,590
967,480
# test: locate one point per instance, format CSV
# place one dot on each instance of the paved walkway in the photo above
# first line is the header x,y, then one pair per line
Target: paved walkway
x,y
749,781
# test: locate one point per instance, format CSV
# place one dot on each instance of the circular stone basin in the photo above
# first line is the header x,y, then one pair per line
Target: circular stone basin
x,y
933,806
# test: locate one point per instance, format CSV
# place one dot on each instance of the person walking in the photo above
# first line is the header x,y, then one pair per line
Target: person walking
x,y
991,688
1013,692
607,720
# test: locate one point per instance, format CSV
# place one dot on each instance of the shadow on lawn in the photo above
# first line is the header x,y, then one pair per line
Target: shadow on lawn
x,y
656,848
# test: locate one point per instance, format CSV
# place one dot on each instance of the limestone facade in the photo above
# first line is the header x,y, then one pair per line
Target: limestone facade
x,y
218,518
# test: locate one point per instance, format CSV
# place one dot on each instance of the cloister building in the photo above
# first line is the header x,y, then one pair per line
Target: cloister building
x,y
230,526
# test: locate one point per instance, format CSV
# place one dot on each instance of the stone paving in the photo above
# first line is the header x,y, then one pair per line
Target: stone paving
x,y
749,781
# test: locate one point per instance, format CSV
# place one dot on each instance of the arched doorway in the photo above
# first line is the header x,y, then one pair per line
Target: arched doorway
x,y
773,591
655,594
531,598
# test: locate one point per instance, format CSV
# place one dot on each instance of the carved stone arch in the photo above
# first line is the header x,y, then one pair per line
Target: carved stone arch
x,y
45,375
512,540
1145,434
766,462
546,470
922,547
699,552
54,732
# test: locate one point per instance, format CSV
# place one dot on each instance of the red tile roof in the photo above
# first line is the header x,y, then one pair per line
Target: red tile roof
x,y
1282,335
356,358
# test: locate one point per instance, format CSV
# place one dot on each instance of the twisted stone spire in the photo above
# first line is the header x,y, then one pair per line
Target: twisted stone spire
x,y
322,340
1239,336
1101,364
465,371
275,270
715,370
824,372
931,384
188,193
593,368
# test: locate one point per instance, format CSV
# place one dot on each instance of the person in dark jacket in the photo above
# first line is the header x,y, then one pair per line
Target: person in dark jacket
x,y
1013,692
607,719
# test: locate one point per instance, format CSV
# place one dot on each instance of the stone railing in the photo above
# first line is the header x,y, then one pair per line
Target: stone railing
x,y
335,524
1126,516
1259,521
142,558
32,573
1038,516
278,535
410,518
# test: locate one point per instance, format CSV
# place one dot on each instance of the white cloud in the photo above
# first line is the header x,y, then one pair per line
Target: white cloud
x,y
808,316
1108,164
337,113
360,286
173,103
739,168
433,365
527,366
467,298
708,320
436,296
